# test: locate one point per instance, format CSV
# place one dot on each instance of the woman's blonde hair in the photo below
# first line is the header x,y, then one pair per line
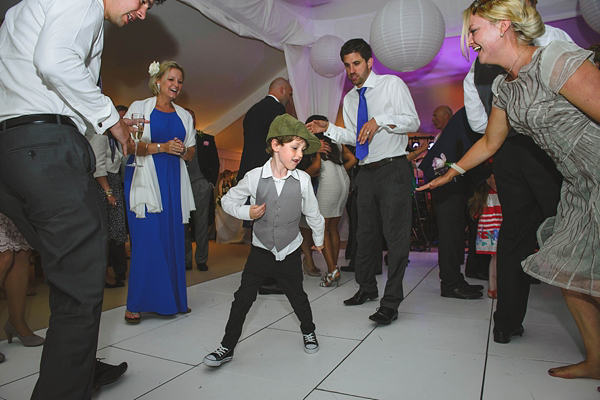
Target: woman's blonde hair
x,y
164,67
524,19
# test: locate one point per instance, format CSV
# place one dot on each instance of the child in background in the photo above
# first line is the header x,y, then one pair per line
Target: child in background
x,y
485,205
279,195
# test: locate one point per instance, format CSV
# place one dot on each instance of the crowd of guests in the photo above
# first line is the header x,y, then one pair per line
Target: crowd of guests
x,y
538,113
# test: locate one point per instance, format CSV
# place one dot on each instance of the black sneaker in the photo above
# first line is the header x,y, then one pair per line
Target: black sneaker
x,y
218,357
311,345
106,374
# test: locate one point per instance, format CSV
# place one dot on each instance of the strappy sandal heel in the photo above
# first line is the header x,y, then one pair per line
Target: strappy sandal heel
x,y
331,278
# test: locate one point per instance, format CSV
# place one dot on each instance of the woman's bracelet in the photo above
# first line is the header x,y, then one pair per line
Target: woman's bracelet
x,y
458,169
108,192
184,151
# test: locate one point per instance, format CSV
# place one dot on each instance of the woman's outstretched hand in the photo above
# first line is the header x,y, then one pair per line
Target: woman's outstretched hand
x,y
437,182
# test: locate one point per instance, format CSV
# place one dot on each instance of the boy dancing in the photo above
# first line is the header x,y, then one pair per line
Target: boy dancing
x,y
279,195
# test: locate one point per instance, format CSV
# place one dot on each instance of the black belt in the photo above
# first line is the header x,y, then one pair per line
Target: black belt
x,y
35,119
377,164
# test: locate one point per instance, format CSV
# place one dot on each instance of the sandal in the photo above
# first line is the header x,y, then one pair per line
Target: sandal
x,y
331,278
132,317
492,294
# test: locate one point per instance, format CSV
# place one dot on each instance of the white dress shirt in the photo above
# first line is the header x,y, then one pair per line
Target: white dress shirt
x,y
475,111
390,103
234,204
104,161
50,54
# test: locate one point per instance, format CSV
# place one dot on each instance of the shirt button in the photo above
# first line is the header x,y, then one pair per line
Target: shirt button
x,y
100,124
278,208
31,153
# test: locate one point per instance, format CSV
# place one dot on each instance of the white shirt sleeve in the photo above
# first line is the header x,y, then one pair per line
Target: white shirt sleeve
x,y
476,114
70,31
234,201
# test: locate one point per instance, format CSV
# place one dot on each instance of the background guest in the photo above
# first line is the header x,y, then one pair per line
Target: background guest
x,y
159,198
14,275
204,172
110,187
332,194
450,202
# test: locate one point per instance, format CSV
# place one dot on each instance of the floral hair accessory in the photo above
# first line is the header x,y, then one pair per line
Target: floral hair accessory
x,y
154,68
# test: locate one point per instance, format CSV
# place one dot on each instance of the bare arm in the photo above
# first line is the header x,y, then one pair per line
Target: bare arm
x,y
350,159
495,133
582,89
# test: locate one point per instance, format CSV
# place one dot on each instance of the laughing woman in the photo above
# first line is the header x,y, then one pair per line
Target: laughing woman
x,y
159,198
549,93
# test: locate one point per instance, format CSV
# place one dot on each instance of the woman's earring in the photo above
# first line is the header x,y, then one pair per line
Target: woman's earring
x,y
501,35
158,84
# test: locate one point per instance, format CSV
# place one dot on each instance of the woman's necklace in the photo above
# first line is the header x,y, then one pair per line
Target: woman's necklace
x,y
520,54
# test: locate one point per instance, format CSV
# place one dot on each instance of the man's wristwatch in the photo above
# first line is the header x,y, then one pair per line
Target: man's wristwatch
x,y
158,147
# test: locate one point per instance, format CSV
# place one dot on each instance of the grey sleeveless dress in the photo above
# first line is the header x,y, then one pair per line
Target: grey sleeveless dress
x,y
569,256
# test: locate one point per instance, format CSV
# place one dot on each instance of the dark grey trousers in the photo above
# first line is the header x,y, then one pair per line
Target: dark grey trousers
x,y
48,191
202,190
384,202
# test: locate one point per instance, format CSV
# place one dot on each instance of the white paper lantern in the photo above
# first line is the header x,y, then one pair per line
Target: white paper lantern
x,y
590,9
325,56
407,34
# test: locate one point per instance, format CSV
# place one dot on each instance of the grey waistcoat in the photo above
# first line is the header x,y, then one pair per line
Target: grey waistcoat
x,y
278,227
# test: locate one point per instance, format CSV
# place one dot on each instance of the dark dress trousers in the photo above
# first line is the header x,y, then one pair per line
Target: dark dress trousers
x,y
204,171
50,194
450,200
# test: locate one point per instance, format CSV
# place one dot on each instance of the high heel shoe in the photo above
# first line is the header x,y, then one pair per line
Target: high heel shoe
x,y
27,341
331,278
308,271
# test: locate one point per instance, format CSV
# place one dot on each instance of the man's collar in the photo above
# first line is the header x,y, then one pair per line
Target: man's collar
x,y
370,82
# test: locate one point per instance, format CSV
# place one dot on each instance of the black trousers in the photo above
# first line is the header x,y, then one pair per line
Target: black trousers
x,y
449,202
384,203
261,264
529,190
117,257
48,191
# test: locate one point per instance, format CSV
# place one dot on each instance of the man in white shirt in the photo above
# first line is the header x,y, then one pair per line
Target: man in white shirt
x,y
50,55
528,188
384,181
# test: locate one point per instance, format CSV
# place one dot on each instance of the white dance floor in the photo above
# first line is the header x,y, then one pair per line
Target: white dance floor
x,y
439,348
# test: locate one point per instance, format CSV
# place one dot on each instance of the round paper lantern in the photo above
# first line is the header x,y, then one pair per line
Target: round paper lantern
x,y
407,34
325,56
590,9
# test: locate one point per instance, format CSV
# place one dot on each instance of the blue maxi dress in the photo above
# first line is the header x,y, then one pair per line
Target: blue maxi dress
x,y
157,271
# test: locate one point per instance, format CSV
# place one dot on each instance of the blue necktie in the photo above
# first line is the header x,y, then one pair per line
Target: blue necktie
x,y
363,116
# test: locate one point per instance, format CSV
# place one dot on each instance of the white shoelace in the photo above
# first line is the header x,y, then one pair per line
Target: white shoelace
x,y
221,351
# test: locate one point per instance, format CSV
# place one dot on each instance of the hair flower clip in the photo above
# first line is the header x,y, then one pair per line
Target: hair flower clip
x,y
154,68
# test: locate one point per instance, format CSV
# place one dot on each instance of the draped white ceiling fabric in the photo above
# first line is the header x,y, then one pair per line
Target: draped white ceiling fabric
x,y
283,26
294,25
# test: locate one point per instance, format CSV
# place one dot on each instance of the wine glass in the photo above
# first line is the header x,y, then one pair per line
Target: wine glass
x,y
136,134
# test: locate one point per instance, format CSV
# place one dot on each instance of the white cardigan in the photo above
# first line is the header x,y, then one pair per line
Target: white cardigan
x,y
145,191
